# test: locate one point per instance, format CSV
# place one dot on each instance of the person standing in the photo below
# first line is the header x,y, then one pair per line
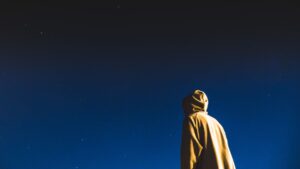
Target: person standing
x,y
204,143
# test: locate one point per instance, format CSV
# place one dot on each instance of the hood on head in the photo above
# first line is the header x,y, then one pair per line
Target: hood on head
x,y
195,102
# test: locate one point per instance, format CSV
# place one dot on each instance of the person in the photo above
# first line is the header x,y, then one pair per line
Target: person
x,y
204,143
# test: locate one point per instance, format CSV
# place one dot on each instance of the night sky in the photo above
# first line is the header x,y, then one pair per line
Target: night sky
x,y
100,85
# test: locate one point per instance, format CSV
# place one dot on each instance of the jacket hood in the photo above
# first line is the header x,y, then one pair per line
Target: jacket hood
x,y
195,102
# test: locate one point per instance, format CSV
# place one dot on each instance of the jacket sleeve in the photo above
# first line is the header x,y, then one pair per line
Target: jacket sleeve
x,y
190,145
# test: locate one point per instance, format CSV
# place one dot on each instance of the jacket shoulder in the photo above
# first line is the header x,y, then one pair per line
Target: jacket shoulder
x,y
198,119
203,119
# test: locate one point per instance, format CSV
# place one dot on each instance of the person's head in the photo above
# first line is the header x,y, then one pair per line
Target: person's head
x,y
195,102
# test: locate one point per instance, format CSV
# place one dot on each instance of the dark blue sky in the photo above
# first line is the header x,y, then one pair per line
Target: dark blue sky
x,y
89,86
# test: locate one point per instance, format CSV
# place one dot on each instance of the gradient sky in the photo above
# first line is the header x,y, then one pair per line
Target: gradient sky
x,y
99,86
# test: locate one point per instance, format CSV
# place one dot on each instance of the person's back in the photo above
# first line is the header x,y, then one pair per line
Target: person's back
x,y
204,143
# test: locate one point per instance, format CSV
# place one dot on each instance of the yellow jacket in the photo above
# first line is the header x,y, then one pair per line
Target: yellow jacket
x,y
204,144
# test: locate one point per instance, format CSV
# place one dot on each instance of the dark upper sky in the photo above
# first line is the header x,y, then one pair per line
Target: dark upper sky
x,y
99,85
